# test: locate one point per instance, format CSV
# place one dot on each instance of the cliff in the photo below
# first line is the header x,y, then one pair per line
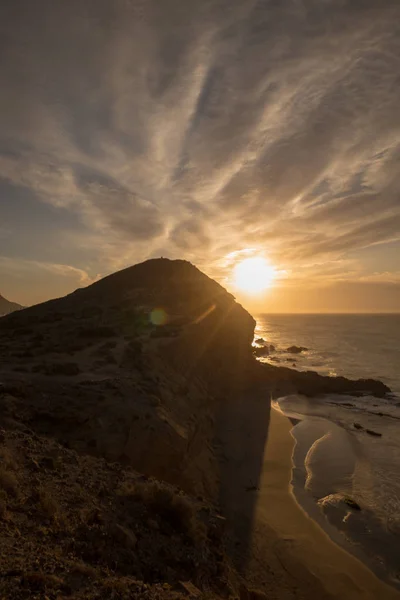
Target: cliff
x,y
129,368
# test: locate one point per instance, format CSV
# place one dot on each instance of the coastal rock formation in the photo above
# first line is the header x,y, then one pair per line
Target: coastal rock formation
x,y
129,368
284,381
7,307
261,351
296,349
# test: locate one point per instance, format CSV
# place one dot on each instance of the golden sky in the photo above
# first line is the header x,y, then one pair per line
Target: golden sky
x,y
212,131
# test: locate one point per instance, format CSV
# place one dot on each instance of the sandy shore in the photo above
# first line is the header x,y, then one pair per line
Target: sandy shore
x,y
278,547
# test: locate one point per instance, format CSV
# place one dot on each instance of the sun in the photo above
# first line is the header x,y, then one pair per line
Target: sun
x,y
253,275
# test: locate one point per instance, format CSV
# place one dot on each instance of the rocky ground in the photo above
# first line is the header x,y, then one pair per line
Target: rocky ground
x,y
77,526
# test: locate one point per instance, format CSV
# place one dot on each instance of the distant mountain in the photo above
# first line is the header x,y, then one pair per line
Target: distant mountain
x,y
7,307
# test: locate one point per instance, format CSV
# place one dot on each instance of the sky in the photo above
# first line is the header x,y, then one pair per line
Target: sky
x,y
210,130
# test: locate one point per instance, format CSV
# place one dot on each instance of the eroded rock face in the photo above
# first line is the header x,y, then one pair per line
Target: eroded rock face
x,y
129,368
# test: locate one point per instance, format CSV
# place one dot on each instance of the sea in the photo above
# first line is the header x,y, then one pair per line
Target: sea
x,y
335,459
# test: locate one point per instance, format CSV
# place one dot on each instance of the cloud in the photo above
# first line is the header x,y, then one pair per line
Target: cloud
x,y
21,267
206,129
384,277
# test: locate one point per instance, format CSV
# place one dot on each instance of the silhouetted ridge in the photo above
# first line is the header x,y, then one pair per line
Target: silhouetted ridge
x,y
7,307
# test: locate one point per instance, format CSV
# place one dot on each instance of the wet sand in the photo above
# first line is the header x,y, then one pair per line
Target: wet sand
x,y
342,575
277,546
334,460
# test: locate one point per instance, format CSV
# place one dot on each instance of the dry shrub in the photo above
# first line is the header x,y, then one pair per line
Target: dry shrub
x,y
127,488
8,482
99,331
67,368
8,458
118,585
3,504
81,568
90,515
175,509
39,581
48,504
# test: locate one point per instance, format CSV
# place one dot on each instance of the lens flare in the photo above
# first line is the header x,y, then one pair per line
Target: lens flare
x,y
158,316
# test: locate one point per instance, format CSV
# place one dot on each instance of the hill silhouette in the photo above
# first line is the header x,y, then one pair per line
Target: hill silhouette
x,y
130,363
7,307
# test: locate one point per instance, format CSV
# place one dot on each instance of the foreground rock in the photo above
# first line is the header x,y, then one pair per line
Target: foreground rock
x,y
74,526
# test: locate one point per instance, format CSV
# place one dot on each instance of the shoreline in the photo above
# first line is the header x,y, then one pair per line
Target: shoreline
x,y
331,462
304,548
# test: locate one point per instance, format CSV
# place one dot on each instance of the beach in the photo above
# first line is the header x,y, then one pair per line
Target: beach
x,y
279,548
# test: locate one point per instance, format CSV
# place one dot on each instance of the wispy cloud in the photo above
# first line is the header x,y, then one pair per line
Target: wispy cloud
x,y
206,128
21,267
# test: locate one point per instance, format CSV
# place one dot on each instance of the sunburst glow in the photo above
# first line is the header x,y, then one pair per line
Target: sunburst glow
x,y
253,275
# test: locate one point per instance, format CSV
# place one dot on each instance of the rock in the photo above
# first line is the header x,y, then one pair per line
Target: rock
x,y
358,426
152,523
310,383
191,589
272,348
372,432
261,351
296,349
251,594
352,503
260,341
